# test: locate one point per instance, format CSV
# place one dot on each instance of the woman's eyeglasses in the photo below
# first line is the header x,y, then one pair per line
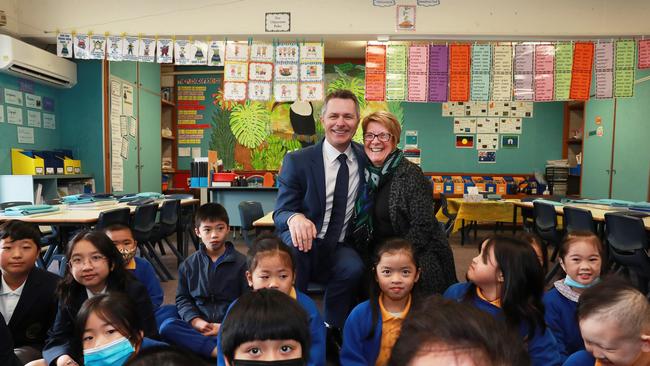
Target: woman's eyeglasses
x,y
383,137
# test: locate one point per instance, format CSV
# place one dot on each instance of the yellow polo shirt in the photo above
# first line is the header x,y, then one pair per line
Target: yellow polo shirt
x,y
390,329
496,302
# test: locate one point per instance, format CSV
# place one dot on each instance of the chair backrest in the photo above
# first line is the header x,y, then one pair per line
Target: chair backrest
x,y
144,219
545,216
249,211
111,217
169,212
578,219
625,233
444,207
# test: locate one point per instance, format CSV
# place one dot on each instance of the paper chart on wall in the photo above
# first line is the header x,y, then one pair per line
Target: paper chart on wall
x,y
216,53
502,73
644,54
64,45
199,55
80,46
509,141
395,87
234,91
259,91
459,72
14,115
544,61
311,91
33,101
464,125
261,52
260,71
375,72
510,125
287,52
523,73
117,175
25,135
124,152
127,99
182,50
235,71
311,72
624,71
563,67
131,48
237,51
285,92
165,51
311,52
184,151
604,64
115,48
147,50
13,97
124,125
487,156
133,127
286,72
49,121
396,63
418,68
487,141
583,57
487,125
33,118
464,109
510,109
2,113
97,47
481,65
438,73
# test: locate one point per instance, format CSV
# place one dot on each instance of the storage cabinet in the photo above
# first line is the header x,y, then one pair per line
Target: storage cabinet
x,y
49,187
573,136
168,130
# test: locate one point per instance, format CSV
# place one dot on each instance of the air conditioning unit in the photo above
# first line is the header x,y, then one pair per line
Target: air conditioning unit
x,y
26,61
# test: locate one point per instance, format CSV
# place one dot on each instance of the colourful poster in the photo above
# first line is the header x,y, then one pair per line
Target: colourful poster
x,y
235,71
644,53
395,87
259,91
417,73
237,51
64,45
375,86
286,72
375,72
285,92
80,46
165,51
311,72
97,50
583,58
481,65
199,53
438,73
375,58
260,71
464,141
287,52
604,65
182,49
234,91
544,60
115,48
396,72
524,72
147,50
262,52
311,91
217,53
131,48
624,71
563,66
312,52
502,73
459,71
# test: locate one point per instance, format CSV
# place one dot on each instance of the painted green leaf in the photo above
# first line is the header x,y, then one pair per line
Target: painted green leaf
x,y
222,140
250,123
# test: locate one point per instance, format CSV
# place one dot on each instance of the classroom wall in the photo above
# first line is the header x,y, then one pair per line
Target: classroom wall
x,y
541,140
452,19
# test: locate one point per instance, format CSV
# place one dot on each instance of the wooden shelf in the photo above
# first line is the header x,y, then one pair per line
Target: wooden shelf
x,y
172,138
166,103
62,176
168,171
574,141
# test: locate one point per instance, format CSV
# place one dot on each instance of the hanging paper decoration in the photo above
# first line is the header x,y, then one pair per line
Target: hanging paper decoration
x,y
604,70
312,52
115,48
285,91
147,50
563,66
418,68
481,67
502,73
260,72
237,51
131,48
199,53
287,71
624,73
375,72
80,46
311,91
583,59
312,69
216,53
259,91
234,91
97,47
524,72
459,69
165,51
261,52
182,50
644,54
235,71
64,45
311,72
396,73
544,55
438,73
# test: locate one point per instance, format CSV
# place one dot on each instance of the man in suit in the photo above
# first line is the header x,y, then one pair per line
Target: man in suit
x,y
318,188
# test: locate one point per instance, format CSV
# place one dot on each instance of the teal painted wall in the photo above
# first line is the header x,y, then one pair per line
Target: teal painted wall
x,y
541,140
44,139
82,120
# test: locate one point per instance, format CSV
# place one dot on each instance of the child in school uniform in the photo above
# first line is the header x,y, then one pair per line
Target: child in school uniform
x,y
107,331
266,327
95,266
536,242
506,281
7,355
374,325
614,320
27,298
580,256
208,281
271,265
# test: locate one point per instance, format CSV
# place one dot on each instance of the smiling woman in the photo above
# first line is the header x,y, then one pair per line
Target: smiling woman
x,y
398,202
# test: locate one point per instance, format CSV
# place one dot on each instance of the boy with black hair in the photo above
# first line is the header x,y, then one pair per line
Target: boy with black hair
x,y
614,320
27,294
208,281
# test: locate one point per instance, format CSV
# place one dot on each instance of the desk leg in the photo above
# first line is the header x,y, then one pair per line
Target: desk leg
x,y
514,219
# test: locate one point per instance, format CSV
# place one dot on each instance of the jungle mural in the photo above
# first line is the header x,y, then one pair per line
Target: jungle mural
x,y
256,135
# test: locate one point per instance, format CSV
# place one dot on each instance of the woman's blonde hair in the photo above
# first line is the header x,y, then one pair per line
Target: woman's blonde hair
x,y
385,119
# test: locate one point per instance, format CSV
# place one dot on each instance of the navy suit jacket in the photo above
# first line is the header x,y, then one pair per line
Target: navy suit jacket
x,y
302,187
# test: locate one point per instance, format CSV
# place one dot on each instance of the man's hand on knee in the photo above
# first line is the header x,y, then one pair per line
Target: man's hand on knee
x,y
303,232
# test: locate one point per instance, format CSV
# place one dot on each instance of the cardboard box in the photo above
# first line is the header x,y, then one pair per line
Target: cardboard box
x,y
501,185
459,184
438,184
25,162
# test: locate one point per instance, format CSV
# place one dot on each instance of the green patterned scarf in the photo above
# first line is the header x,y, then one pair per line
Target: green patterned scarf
x,y
363,207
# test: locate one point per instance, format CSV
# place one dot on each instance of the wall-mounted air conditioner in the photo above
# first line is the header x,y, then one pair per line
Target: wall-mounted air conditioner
x,y
26,61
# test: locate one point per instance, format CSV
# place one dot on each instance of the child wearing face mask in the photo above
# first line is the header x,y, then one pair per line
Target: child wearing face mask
x,y
581,259
265,327
95,266
271,265
506,281
107,331
374,325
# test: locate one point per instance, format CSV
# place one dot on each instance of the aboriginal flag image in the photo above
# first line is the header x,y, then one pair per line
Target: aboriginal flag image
x,y
465,141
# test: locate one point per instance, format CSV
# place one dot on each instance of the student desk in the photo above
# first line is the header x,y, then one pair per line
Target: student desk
x,y
597,211
230,197
265,221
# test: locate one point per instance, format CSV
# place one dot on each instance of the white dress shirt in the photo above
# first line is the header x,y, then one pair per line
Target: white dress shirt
x,y
91,294
330,155
9,299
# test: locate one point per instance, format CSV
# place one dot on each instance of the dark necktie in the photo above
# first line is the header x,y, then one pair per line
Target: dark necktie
x,y
339,203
